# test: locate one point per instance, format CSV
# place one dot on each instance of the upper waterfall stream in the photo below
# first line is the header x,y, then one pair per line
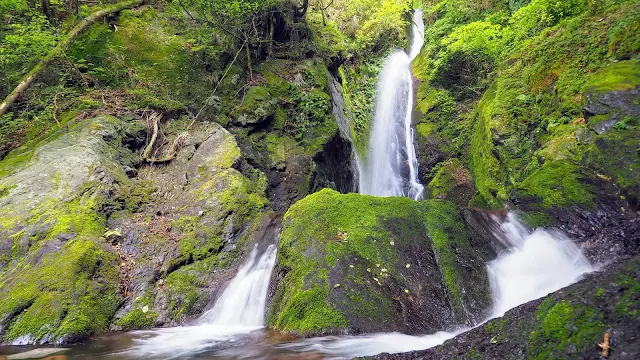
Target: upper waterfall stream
x,y
391,166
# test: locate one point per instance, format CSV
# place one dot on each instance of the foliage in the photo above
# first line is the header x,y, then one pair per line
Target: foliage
x,y
22,46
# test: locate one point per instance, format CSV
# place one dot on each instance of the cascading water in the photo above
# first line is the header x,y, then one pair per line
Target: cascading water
x,y
538,263
391,168
239,311
244,300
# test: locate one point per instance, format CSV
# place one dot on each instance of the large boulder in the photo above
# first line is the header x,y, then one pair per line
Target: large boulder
x,y
58,279
355,264
183,244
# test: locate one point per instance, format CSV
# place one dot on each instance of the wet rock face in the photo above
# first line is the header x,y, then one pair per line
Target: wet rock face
x,y
355,264
604,110
292,183
567,324
334,166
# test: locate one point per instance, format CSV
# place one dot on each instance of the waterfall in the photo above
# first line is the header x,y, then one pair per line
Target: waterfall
x,y
238,311
244,300
537,263
391,168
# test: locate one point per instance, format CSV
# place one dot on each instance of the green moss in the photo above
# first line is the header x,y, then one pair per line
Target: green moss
x,y
425,129
62,294
615,155
488,172
324,230
258,105
14,161
446,230
308,312
623,75
450,175
558,184
40,318
181,288
629,303
146,56
561,327
535,219
138,319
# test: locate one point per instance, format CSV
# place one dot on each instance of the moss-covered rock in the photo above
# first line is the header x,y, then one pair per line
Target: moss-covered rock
x,y
354,263
615,155
207,200
558,184
452,182
258,105
59,278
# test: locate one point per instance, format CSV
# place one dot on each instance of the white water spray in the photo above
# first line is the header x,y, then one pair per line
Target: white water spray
x,y
239,311
391,168
538,263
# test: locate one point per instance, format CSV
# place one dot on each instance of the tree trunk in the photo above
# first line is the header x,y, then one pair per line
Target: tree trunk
x,y
62,46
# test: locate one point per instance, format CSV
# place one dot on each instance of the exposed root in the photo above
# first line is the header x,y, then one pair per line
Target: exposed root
x,y
153,120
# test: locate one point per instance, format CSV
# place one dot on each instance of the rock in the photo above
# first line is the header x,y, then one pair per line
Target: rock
x,y
184,247
257,107
292,184
60,280
566,324
452,182
364,243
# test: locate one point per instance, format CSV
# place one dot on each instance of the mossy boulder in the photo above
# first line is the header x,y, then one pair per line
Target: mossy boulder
x,y
58,277
258,106
354,264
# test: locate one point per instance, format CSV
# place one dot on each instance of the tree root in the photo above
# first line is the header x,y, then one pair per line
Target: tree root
x,y
178,143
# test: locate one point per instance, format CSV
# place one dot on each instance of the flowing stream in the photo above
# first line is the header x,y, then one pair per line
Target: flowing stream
x,y
391,167
239,310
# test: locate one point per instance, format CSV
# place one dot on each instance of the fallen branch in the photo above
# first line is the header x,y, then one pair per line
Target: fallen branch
x,y
62,47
